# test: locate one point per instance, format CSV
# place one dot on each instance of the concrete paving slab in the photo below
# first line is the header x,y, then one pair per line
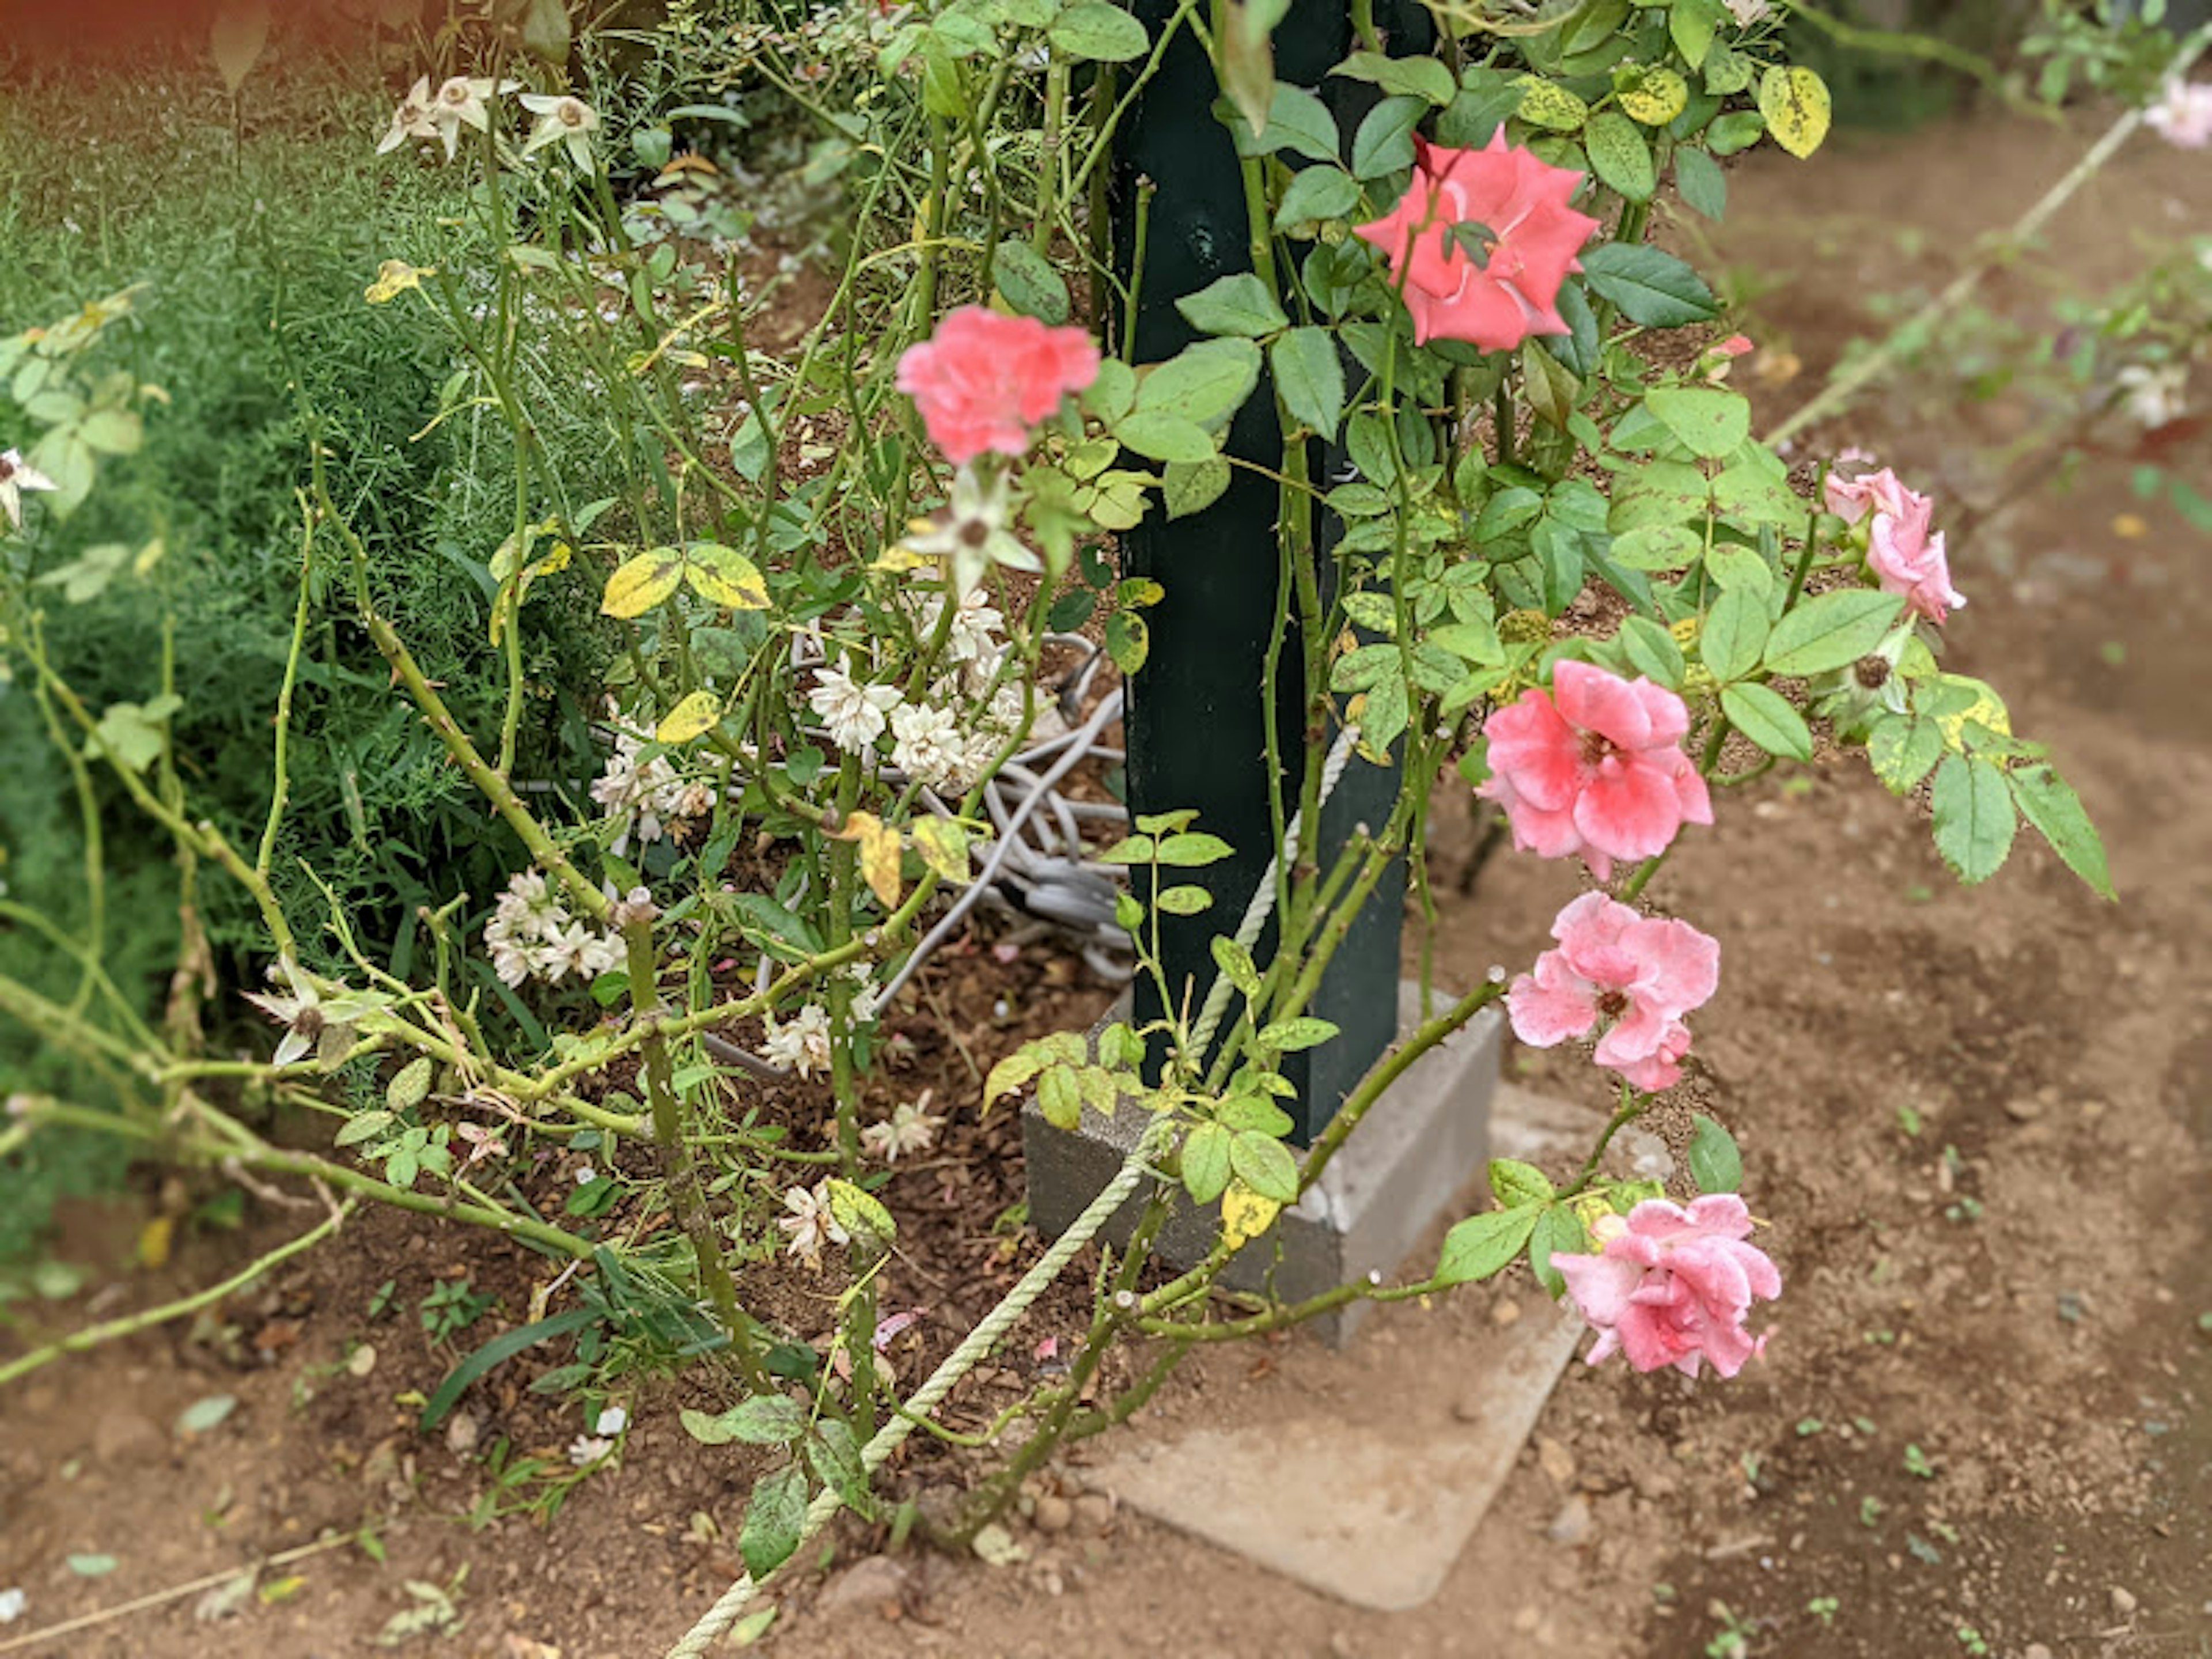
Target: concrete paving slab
x,y
1375,1466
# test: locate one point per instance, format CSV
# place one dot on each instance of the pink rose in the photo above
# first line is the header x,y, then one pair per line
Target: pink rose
x,y
1671,1286
1523,202
984,380
1904,555
1596,766
1642,974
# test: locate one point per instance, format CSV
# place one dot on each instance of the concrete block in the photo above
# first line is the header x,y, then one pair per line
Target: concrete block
x,y
1405,1166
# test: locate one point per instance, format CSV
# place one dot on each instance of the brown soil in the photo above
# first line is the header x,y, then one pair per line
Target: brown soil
x,y
1977,1120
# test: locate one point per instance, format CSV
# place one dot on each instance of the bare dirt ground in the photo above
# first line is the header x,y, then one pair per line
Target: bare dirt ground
x,y
1978,1121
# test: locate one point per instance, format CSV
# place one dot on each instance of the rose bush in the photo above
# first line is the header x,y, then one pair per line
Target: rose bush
x,y
1543,561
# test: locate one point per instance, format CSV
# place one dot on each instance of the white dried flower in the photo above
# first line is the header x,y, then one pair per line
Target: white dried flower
x,y
2152,396
613,1421
411,119
809,1224
802,1043
16,475
586,1450
911,1128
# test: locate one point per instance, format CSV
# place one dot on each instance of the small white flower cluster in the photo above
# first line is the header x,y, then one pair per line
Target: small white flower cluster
x,y
945,740
644,797
531,935
2154,395
464,100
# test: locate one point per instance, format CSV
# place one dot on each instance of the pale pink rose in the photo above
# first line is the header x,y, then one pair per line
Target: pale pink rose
x,y
1736,345
1906,555
2183,115
1594,766
1671,1286
1636,974
1523,202
984,380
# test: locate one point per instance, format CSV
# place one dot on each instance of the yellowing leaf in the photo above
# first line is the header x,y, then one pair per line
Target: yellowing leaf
x,y
153,1241
858,1212
1988,709
1660,97
879,854
393,278
1547,104
722,575
281,1589
943,845
899,558
1795,103
1245,1215
696,714
643,582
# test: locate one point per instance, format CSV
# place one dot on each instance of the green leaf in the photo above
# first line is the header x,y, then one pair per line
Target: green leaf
x,y
1485,103
1715,1164
1738,129
1192,850
1102,33
1235,963
835,1455
1184,901
1728,72
1734,629
1316,193
1650,287
205,1415
1691,24
1419,77
1206,1162
773,1520
1264,1164
1734,567
1384,142
1710,423
1657,547
1651,650
1619,156
362,1125
1830,631
1794,101
1516,1183
1484,1244
1248,55
1703,186
1310,378
1238,304
1901,749
91,1566
1974,819
1558,1231
1286,1036
765,1420
1257,1114
1205,383
1766,717
1027,279
1170,438
1758,491
1297,120
495,1353
2048,801
1188,487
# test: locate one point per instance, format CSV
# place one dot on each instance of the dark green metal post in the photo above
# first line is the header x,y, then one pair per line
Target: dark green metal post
x,y
1196,727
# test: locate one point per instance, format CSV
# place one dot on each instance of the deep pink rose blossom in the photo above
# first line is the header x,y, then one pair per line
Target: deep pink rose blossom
x,y
984,380
1638,975
1523,202
1594,766
1671,1286
1905,555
